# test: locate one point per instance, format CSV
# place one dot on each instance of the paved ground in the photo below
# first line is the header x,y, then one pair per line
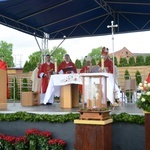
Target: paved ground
x,y
55,109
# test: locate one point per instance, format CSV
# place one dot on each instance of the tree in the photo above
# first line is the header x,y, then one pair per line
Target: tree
x,y
115,61
140,60
123,62
58,53
36,57
27,67
147,60
93,61
96,54
126,75
6,53
138,77
78,63
14,89
131,61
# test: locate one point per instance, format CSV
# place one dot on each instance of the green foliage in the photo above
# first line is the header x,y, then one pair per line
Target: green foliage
x,y
84,62
138,77
6,53
140,60
96,54
123,117
123,62
78,63
58,53
132,61
115,61
147,60
27,67
93,61
24,85
126,75
14,90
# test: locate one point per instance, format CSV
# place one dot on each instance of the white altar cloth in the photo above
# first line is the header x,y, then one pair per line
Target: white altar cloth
x,y
56,81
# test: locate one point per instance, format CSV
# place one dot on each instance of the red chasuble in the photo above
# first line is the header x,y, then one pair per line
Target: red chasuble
x,y
109,64
47,70
64,65
84,69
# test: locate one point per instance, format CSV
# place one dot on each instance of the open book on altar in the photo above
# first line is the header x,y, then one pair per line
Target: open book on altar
x,y
97,69
68,69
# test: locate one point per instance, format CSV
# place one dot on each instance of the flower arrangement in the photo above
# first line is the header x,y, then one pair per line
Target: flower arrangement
x,y
143,98
33,140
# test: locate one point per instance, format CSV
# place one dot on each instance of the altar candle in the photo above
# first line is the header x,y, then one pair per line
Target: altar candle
x,y
102,64
55,65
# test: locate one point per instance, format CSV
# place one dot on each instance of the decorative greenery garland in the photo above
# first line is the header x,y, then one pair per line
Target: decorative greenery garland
x,y
122,117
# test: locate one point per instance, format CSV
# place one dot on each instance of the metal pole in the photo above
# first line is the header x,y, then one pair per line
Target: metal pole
x,y
112,26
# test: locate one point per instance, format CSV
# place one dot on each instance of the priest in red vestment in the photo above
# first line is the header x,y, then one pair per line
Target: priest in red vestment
x,y
45,71
3,66
67,66
107,62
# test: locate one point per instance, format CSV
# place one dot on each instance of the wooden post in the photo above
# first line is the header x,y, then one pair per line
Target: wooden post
x,y
147,131
3,89
93,135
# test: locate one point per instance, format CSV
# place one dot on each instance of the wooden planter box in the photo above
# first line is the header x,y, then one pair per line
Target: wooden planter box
x,y
94,115
30,98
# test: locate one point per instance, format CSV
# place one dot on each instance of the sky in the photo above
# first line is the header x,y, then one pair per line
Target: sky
x,y
24,44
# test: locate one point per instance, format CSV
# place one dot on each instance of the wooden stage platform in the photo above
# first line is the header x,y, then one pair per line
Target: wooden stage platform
x,y
55,108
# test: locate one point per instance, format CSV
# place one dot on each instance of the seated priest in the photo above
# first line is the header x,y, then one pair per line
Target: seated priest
x,y
108,64
67,66
86,68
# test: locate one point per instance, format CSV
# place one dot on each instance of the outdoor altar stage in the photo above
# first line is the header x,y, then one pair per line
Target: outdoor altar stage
x,y
124,135
55,108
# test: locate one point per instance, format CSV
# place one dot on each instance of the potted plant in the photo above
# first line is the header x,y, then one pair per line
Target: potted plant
x,y
143,98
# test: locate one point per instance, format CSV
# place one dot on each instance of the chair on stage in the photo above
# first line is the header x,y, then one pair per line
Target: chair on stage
x,y
129,91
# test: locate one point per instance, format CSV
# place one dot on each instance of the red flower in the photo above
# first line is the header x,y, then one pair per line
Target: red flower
x,y
20,139
9,139
57,142
32,131
45,134
1,136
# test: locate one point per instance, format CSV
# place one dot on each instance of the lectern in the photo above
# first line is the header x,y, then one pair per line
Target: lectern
x,y
93,129
3,89
69,96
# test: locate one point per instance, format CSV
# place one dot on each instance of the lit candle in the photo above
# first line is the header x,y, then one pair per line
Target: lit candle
x,y
55,65
102,63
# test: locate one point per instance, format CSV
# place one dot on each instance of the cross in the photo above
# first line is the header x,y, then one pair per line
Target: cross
x,y
112,26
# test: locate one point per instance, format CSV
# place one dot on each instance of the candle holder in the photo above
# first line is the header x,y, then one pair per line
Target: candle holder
x,y
55,61
102,63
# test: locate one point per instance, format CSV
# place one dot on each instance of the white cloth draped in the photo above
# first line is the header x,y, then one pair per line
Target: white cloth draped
x,y
56,81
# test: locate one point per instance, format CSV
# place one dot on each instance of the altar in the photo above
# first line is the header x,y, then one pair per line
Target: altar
x,y
58,81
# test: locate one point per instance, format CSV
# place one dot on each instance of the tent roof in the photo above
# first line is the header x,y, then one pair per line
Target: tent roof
x,y
75,18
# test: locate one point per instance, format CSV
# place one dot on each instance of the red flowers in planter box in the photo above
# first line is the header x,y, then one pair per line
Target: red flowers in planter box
x,y
56,144
33,140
